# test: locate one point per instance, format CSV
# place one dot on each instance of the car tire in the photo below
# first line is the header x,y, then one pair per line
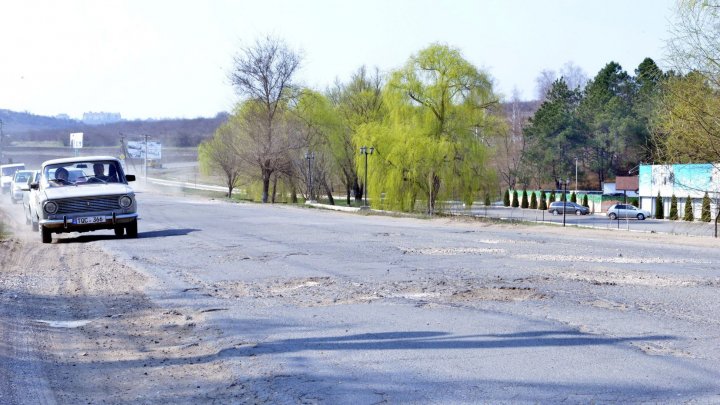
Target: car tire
x,y
578,212
119,231
641,217
132,229
35,225
45,234
613,215
555,212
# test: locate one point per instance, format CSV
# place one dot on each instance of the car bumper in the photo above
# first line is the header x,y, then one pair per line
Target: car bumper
x,y
67,223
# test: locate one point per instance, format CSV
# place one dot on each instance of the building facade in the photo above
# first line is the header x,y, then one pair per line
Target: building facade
x,y
682,180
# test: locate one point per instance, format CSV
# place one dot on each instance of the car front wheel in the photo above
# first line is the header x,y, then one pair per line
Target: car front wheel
x,y
613,215
578,212
132,229
45,234
640,217
555,212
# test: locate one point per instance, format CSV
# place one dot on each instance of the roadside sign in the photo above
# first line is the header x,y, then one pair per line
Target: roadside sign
x,y
76,140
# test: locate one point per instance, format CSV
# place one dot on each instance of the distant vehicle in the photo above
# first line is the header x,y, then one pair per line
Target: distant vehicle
x,y
569,207
20,179
85,194
626,211
6,175
30,200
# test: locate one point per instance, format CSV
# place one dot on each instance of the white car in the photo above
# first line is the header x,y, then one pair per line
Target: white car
x,y
30,200
96,196
626,211
19,180
6,175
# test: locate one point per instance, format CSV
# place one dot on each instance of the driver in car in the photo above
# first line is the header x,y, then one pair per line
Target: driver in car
x,y
99,170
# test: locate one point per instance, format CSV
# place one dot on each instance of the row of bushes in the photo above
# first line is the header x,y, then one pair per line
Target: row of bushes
x,y
533,203
689,215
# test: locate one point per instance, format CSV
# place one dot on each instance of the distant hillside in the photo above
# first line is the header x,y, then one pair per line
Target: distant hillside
x,y
22,127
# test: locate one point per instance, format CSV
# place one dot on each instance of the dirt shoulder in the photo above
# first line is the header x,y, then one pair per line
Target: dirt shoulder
x,y
78,328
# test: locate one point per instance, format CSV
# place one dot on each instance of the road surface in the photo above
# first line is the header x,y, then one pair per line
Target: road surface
x,y
220,302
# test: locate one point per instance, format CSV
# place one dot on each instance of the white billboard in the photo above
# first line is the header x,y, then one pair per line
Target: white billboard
x,y
136,150
76,140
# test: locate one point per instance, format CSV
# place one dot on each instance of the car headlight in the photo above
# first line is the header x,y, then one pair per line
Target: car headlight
x,y
125,201
50,207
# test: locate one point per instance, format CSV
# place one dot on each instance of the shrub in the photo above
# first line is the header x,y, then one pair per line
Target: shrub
x,y
635,201
543,201
487,200
552,197
506,198
688,210
573,197
585,201
659,210
515,199
673,209
705,217
524,203
533,201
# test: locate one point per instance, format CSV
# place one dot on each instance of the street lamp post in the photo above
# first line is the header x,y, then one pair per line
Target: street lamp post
x,y
567,181
576,186
309,156
364,150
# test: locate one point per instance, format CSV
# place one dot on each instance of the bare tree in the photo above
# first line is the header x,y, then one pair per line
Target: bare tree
x,y
219,154
574,77
263,73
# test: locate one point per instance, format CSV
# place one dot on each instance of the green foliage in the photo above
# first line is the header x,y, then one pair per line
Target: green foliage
x,y
427,146
585,201
573,197
515,200
219,154
705,217
673,209
552,198
554,133
506,198
688,210
524,203
533,201
659,209
543,201
487,200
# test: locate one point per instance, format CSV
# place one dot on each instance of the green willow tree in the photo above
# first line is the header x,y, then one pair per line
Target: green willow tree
x,y
430,146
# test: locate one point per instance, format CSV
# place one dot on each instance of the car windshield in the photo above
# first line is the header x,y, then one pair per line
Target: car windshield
x,y
9,171
83,173
22,176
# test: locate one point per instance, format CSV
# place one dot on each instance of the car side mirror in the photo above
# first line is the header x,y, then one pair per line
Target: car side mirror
x,y
34,186
130,177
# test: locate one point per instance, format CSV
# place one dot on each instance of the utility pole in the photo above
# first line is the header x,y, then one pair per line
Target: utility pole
x,y
146,153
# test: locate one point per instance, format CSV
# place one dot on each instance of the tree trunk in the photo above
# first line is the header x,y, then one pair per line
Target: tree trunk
x,y
266,185
328,191
358,191
274,189
293,193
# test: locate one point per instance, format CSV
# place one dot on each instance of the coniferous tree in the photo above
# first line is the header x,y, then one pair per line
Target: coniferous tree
x,y
585,201
524,203
506,198
533,201
573,197
706,208
688,210
552,198
515,201
673,208
487,200
543,201
659,210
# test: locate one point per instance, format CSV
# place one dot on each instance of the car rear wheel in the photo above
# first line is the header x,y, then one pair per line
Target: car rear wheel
x,y
578,212
613,215
555,212
45,234
641,217
132,229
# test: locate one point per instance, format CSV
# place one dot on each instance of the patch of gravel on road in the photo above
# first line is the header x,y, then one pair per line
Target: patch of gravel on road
x,y
325,291
450,251
618,259
634,278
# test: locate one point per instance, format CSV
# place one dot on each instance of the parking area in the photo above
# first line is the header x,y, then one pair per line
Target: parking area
x,y
592,220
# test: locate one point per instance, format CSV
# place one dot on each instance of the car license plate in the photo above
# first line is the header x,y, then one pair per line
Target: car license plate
x,y
88,220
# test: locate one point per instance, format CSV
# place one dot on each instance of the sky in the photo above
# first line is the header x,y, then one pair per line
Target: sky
x,y
171,59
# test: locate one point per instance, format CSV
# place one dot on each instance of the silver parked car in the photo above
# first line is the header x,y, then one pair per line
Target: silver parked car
x,y
626,211
95,197
20,179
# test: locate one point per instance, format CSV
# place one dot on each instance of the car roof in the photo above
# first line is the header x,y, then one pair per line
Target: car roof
x,y
77,160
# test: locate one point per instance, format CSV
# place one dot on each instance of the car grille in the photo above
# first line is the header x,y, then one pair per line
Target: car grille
x,y
73,205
